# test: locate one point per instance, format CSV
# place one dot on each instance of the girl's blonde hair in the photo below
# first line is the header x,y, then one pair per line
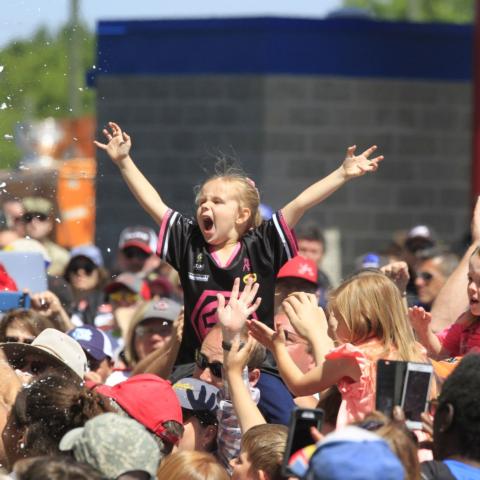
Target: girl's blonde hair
x,y
191,465
248,194
371,306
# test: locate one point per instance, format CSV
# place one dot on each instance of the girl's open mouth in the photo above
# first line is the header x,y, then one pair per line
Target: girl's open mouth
x,y
207,224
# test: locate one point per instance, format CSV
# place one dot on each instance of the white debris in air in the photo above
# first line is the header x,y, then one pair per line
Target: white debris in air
x,y
1,68
109,249
3,185
58,220
3,106
7,136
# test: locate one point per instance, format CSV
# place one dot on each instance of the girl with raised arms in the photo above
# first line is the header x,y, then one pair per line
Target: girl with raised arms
x,y
227,239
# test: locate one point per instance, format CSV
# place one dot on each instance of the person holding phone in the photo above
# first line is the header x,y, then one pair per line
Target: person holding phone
x,y
367,319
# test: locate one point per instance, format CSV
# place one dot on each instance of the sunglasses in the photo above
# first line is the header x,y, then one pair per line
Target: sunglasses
x,y
134,252
87,267
425,276
162,330
126,297
28,217
13,339
202,363
203,416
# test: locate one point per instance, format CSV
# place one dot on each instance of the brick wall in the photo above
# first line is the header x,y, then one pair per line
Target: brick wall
x,y
288,131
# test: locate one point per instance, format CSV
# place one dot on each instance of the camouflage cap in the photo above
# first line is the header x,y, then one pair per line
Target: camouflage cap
x,y
114,445
37,205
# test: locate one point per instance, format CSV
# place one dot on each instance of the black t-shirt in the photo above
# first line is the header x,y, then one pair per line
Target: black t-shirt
x,y
259,253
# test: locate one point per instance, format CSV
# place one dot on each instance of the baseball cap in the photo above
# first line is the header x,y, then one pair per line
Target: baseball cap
x,y
352,453
129,280
163,308
92,252
266,211
300,267
371,260
197,395
114,445
37,205
420,237
93,341
59,347
149,399
138,236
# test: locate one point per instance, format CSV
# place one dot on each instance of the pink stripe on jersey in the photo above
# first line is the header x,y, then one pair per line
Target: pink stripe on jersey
x,y
217,259
163,230
289,234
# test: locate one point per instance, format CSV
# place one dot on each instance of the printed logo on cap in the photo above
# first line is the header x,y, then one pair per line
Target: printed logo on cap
x,y
160,305
82,334
305,269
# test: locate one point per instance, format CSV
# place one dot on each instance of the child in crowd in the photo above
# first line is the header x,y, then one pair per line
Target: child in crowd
x,y
367,319
227,239
461,337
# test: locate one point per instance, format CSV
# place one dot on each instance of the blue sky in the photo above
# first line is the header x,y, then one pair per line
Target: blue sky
x,y
20,18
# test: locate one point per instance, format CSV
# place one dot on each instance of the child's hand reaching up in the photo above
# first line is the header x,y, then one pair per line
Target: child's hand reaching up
x,y
233,316
306,317
265,335
419,318
397,272
358,165
236,359
119,143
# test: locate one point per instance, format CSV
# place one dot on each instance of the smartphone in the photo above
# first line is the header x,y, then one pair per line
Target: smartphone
x,y
13,300
299,436
389,385
418,379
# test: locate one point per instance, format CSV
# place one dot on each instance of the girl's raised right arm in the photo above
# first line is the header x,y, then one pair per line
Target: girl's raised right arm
x,y
118,149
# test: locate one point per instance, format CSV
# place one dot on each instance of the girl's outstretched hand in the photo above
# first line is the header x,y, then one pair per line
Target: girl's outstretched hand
x,y
306,317
240,306
420,319
358,165
265,335
119,143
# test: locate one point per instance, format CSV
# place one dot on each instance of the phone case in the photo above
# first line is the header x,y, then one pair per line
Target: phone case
x,y
308,417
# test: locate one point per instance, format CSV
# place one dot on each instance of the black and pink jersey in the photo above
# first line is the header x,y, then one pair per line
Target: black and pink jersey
x,y
260,253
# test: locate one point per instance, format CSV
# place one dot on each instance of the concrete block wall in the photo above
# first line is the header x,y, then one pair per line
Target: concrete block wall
x,y
288,131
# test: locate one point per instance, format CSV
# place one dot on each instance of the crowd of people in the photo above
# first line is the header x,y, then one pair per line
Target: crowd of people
x,y
189,356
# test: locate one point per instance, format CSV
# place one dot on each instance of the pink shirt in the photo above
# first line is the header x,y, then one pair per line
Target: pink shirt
x,y
461,338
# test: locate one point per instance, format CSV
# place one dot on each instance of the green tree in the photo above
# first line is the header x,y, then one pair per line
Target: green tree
x,y
34,83
454,11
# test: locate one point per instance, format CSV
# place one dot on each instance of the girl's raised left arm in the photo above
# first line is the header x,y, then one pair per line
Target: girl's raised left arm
x,y
353,166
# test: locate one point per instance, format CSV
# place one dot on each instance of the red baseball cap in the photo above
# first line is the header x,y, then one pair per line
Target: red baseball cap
x,y
150,400
300,267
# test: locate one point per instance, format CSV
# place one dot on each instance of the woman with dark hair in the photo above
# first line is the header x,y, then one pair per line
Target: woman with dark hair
x,y
44,411
87,278
22,326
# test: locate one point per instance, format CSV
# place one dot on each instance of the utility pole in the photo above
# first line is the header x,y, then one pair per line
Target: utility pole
x,y
413,10
74,59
